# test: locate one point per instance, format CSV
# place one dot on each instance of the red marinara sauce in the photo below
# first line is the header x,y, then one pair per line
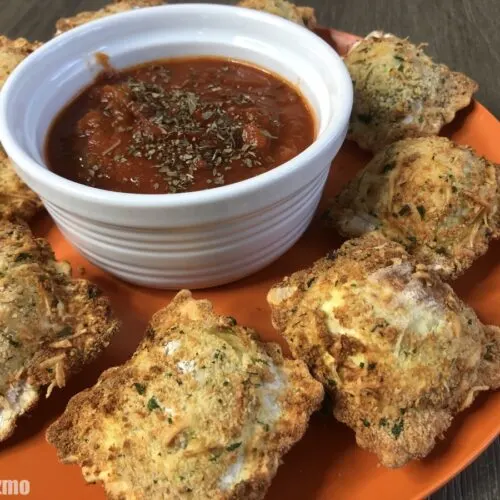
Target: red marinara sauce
x,y
179,125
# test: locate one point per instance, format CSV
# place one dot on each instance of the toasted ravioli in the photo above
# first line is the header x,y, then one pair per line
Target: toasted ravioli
x,y
398,351
12,52
300,15
68,23
16,199
50,324
202,410
435,197
399,92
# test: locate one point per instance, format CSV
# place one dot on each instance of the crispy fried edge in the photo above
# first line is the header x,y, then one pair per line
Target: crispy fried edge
x,y
18,45
96,301
30,204
307,14
196,310
67,23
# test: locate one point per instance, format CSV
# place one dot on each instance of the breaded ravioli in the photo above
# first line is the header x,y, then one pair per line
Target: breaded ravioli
x,y
50,324
398,351
12,52
399,92
300,15
68,23
435,197
16,199
203,410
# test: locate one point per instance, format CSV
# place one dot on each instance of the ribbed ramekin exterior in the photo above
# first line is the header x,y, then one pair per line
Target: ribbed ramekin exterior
x,y
197,256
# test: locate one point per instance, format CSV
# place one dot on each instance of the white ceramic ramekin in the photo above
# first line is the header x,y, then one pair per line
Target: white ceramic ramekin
x,y
198,239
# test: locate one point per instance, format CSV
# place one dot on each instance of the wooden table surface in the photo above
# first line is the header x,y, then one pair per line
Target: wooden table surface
x,y
461,33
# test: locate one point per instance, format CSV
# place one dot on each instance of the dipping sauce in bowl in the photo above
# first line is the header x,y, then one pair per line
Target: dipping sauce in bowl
x,y
179,125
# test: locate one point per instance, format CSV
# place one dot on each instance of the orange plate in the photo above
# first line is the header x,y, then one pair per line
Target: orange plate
x,y
326,464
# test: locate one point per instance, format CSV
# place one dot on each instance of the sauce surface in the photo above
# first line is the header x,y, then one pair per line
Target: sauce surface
x,y
179,125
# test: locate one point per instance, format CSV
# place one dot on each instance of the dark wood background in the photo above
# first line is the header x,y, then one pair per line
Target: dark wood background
x,y
465,34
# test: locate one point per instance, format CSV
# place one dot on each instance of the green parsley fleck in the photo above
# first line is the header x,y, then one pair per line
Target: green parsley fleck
x,y
233,446
421,211
23,256
366,423
388,167
258,360
382,422
153,404
397,428
488,355
361,365
140,388
332,382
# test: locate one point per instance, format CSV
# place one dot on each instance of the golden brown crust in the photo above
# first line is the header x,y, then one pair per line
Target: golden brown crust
x,y
12,52
68,23
399,92
16,199
491,359
202,410
398,351
300,15
439,199
50,324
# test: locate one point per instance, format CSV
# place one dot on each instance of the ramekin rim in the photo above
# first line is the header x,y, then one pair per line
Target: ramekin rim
x,y
43,175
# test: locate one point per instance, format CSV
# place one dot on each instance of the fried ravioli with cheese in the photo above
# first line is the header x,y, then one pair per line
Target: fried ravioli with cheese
x,y
399,92
50,324
16,199
398,351
300,15
117,6
202,410
435,197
